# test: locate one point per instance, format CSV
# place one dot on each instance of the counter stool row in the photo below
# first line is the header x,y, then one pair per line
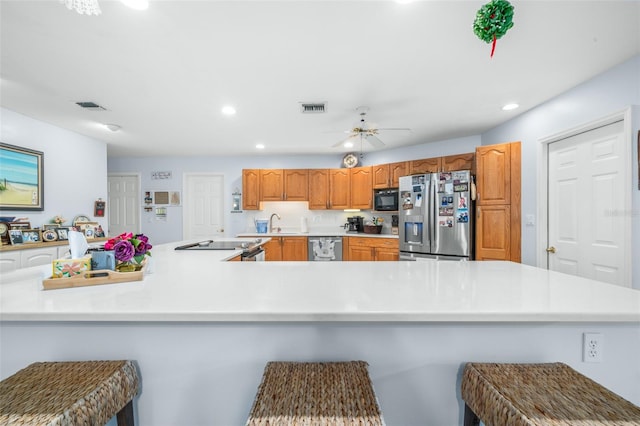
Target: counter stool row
x,y
319,393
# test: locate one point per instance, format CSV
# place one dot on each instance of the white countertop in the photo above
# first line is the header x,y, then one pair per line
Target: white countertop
x,y
198,286
317,233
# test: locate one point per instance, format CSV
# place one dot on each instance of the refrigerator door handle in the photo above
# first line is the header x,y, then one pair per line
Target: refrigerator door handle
x,y
432,210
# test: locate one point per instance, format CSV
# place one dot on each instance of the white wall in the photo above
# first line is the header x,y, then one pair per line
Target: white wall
x,y
75,168
608,93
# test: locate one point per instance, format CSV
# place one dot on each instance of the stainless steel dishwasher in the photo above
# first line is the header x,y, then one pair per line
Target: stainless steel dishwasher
x,y
325,248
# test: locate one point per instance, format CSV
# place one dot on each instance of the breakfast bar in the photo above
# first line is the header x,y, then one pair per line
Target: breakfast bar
x,y
201,329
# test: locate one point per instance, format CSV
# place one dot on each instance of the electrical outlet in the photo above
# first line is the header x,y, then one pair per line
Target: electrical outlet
x,y
592,347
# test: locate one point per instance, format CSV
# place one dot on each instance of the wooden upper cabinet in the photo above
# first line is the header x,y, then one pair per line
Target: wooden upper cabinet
x,y
452,163
395,171
296,185
361,188
493,174
425,165
318,189
388,175
250,189
271,184
380,176
339,189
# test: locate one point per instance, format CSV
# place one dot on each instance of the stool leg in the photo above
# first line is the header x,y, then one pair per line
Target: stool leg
x,y
470,418
125,416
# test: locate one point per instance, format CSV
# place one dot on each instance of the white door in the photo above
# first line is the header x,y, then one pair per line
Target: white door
x,y
203,205
586,201
123,204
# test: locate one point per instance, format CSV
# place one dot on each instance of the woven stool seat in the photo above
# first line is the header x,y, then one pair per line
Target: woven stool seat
x,y
540,394
69,393
315,393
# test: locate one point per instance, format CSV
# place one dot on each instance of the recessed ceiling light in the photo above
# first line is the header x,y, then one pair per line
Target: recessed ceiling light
x,y
136,4
509,107
228,110
112,127
259,146
348,144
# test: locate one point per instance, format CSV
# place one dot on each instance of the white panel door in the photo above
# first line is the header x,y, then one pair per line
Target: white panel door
x,y
586,196
123,204
203,205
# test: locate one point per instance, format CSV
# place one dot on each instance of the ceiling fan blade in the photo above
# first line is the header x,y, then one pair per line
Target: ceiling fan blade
x,y
373,140
343,141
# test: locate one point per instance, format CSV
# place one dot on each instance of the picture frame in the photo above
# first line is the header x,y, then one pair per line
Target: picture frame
x,y
30,236
49,235
99,208
62,232
16,236
20,225
50,226
21,178
89,233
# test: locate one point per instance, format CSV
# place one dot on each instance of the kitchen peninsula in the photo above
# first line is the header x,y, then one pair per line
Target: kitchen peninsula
x,y
202,329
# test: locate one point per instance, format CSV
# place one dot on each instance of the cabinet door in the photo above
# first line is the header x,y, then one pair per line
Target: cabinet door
x,y
360,253
493,232
339,189
273,249
295,248
9,261
380,176
39,256
250,189
318,189
395,171
387,254
493,174
425,165
452,163
361,189
296,185
271,184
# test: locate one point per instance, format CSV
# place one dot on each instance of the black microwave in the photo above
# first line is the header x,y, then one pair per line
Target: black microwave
x,y
385,200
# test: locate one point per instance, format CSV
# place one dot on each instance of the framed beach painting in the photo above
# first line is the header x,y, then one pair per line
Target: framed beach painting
x,y
21,178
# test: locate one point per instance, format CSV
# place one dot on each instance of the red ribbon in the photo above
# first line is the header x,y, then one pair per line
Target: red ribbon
x,y
493,46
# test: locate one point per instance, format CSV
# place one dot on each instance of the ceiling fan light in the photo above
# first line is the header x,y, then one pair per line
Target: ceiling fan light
x,y
348,144
136,4
509,107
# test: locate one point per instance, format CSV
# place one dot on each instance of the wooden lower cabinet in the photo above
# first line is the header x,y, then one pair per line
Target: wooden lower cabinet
x,y
372,249
493,233
286,248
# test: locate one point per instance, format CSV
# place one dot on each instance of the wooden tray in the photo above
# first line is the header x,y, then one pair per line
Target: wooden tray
x,y
89,278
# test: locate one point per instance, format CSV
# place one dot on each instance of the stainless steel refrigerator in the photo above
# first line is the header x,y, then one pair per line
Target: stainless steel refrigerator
x,y
436,216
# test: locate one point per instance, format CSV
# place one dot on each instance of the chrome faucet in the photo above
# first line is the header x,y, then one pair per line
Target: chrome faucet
x,y
271,221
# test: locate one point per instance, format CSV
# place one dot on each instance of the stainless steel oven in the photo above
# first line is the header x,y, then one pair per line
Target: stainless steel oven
x,y
385,200
253,256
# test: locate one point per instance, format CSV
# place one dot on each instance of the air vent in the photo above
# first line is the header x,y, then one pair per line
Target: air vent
x,y
313,108
91,106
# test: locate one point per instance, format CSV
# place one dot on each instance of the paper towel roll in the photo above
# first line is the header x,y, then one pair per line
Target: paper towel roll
x,y
304,227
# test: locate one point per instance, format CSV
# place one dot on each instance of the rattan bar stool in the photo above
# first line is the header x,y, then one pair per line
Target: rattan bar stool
x,y
316,393
69,393
540,394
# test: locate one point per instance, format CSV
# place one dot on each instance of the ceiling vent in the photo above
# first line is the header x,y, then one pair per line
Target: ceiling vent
x,y
313,107
91,106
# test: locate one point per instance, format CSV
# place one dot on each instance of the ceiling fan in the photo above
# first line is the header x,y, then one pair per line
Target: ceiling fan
x,y
365,131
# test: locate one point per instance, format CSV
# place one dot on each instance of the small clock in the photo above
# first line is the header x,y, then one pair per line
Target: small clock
x,y
4,233
350,160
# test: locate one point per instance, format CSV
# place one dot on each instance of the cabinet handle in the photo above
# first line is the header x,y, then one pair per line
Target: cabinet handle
x,y
284,196
478,213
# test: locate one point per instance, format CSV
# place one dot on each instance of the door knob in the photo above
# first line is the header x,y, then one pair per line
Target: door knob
x,y
551,249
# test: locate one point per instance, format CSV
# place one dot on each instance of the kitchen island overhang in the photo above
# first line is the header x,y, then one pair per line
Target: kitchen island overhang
x,y
198,286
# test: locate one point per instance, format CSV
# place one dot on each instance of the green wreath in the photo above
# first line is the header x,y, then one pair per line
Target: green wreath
x,y
493,20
